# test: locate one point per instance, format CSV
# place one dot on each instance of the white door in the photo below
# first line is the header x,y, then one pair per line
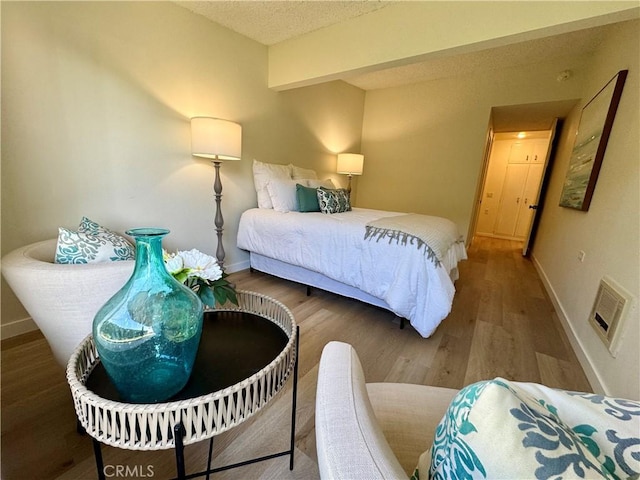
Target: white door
x,y
511,200
533,204
529,197
520,152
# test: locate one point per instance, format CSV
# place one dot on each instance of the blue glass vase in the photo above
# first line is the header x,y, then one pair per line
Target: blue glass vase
x,y
147,334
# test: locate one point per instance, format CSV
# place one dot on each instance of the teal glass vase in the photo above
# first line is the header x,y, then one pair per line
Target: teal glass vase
x,y
147,334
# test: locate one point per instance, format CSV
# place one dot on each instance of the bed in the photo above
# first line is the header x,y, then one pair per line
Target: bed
x,y
306,231
329,251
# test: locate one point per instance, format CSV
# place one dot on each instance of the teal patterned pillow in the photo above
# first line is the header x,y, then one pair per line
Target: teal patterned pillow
x,y
502,429
89,226
91,243
333,200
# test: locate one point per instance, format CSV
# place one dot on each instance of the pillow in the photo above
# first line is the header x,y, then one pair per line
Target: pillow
x,y
299,173
91,243
283,195
333,200
314,183
89,226
262,173
307,199
502,429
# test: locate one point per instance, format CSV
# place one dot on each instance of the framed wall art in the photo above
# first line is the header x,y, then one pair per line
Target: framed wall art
x,y
590,144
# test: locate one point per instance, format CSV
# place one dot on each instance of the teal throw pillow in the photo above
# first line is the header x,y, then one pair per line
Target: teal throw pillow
x,y
307,198
504,429
333,200
91,243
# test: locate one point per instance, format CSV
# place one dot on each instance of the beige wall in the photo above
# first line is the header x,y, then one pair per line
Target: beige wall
x,y
609,233
96,101
424,143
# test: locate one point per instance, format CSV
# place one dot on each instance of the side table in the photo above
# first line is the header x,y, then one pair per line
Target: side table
x,y
246,355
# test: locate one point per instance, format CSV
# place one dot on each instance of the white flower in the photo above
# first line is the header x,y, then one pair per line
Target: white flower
x,y
173,263
200,265
202,274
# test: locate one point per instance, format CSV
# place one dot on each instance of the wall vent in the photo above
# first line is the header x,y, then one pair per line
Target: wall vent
x,y
609,311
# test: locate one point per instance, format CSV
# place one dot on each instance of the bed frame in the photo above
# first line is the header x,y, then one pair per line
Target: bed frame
x,y
310,279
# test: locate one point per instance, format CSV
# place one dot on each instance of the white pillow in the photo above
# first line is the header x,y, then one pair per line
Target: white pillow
x,y
283,195
299,173
314,183
91,243
262,173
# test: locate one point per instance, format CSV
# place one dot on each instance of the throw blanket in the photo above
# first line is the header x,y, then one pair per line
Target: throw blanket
x,y
434,234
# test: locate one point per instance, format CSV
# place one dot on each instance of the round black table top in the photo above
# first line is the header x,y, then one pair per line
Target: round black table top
x,y
234,346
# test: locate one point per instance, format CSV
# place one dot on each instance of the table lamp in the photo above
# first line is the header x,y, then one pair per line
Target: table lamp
x,y
350,164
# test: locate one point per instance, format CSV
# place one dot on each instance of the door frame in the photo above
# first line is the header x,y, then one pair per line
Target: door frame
x,y
480,185
535,219
529,238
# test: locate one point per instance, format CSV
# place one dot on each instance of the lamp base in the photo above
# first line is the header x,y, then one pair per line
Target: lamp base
x,y
219,221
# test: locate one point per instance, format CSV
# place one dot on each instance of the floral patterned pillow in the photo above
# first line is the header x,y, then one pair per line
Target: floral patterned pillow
x,y
333,200
502,429
91,243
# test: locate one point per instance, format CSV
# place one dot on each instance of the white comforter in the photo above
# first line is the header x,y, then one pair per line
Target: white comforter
x,y
334,246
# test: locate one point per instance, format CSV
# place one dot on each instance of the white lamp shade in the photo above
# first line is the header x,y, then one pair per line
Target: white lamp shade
x,y
350,163
216,138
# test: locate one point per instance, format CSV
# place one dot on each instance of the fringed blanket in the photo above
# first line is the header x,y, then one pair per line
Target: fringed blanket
x,y
433,234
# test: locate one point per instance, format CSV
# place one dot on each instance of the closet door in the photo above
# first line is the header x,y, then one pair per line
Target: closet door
x,y
511,200
520,152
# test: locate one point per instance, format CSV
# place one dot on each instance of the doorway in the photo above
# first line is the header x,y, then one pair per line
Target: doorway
x,y
515,170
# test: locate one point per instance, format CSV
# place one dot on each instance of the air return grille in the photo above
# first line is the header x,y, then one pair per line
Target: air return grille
x,y
609,311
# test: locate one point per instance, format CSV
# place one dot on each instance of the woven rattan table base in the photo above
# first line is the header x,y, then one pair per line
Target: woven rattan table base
x,y
246,355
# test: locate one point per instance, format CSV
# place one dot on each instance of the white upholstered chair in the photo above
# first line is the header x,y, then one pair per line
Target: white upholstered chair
x,y
62,299
371,430
495,429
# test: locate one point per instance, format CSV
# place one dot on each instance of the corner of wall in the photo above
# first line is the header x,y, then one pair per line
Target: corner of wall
x,y
238,266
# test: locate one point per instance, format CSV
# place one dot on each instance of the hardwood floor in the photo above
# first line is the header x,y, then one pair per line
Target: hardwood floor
x,y
501,324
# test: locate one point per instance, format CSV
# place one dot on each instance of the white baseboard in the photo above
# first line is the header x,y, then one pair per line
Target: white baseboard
x,y
591,373
17,327
236,267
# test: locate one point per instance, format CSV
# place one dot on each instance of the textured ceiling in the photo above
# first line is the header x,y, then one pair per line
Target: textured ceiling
x,y
270,22
568,45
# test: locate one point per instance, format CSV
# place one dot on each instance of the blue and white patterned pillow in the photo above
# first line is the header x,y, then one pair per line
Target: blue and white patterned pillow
x,y
501,429
333,200
91,243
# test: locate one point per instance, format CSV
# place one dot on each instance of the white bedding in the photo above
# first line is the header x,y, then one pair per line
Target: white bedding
x,y
334,245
